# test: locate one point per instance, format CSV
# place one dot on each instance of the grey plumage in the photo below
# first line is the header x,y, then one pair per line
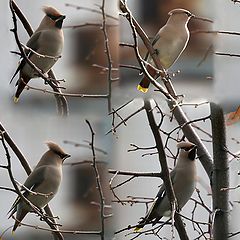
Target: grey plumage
x,y
45,179
183,178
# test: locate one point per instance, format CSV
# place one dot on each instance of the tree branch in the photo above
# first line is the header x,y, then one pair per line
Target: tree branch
x,y
165,172
220,178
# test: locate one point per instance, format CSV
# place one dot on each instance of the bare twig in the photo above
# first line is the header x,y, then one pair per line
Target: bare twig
x,y
90,10
98,183
108,54
75,144
165,172
136,174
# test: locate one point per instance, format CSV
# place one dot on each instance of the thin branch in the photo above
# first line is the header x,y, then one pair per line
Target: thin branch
x,y
136,174
90,10
108,54
61,231
165,172
227,54
75,144
98,183
125,120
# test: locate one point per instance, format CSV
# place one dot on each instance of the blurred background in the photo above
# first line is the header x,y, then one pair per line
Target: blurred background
x,y
33,120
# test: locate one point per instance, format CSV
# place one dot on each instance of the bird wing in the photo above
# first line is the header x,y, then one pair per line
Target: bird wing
x,y
32,182
37,176
151,213
33,41
33,44
161,194
155,39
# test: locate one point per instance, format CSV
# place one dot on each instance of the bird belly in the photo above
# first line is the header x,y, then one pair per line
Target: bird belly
x,y
185,195
170,53
43,65
164,209
49,188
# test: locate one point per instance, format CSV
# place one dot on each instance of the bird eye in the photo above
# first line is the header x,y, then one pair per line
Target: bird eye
x,y
54,18
186,149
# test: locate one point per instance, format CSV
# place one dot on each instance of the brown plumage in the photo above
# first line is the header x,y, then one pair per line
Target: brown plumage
x,y
51,11
55,148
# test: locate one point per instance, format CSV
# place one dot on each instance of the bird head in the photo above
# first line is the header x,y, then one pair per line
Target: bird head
x,y
181,12
188,149
53,17
57,150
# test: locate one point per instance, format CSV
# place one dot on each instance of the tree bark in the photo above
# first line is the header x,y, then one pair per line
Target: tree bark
x,y
220,177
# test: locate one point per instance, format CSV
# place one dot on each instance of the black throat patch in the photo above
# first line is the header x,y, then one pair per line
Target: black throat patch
x,y
59,24
192,154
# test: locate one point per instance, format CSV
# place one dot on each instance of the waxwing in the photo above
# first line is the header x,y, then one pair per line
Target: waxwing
x,y
183,178
44,179
47,40
169,43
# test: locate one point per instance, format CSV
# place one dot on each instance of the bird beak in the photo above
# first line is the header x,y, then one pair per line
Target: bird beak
x,y
202,19
66,156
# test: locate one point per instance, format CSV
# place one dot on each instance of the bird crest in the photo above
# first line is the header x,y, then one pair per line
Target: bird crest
x,y
185,145
179,10
55,148
51,11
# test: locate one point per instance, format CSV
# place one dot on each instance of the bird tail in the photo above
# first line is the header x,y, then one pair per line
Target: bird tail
x,y
13,208
20,216
140,225
144,84
137,229
21,84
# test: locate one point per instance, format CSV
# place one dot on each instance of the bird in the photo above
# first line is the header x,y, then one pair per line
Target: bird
x,y
47,40
44,179
169,43
183,178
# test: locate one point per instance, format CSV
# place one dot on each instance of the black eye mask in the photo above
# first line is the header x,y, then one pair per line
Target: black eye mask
x,y
192,153
54,18
186,148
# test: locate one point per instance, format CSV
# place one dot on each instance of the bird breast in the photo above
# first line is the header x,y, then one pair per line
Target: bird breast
x,y
171,44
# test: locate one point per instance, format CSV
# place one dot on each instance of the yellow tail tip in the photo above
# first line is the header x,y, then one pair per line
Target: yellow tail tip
x,y
142,89
137,229
16,99
13,232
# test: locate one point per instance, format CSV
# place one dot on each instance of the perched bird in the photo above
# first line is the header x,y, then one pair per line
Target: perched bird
x,y
44,179
169,43
183,178
47,40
